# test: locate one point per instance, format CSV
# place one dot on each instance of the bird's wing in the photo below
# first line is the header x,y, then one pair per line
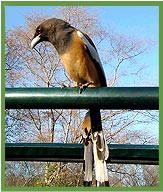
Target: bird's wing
x,y
92,51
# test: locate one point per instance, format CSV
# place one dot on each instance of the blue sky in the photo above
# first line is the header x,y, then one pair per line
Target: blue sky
x,y
131,19
127,19
142,21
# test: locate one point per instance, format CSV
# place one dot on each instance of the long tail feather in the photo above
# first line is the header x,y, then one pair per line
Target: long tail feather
x,y
101,154
95,142
88,151
88,158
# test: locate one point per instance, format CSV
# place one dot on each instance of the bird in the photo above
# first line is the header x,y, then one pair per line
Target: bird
x,y
81,61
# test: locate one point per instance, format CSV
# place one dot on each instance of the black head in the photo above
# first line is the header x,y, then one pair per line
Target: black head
x,y
52,30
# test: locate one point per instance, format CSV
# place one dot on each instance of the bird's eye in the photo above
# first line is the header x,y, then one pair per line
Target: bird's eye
x,y
38,30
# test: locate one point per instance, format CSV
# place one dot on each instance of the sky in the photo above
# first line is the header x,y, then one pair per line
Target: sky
x,y
141,21
127,19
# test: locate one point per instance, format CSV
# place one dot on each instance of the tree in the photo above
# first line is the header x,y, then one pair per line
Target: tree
x,y
42,68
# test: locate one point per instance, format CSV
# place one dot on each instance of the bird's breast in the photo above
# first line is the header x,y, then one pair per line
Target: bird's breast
x,y
78,64
74,66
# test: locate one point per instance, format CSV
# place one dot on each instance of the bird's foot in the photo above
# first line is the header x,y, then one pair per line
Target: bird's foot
x,y
82,86
64,86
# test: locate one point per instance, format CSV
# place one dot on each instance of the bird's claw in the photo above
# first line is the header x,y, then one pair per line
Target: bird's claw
x,y
63,86
82,86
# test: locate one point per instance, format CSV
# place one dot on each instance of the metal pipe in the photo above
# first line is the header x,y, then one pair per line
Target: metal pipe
x,y
70,98
60,152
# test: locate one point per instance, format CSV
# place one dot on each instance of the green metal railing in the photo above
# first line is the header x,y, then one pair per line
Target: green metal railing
x,y
69,98
60,152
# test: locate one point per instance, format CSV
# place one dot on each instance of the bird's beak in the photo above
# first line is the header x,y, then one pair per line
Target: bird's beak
x,y
35,41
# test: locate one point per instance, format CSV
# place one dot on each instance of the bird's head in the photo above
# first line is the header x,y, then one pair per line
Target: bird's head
x,y
41,33
52,30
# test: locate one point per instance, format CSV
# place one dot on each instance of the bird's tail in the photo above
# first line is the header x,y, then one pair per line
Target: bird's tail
x,y
101,154
95,144
88,166
88,150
